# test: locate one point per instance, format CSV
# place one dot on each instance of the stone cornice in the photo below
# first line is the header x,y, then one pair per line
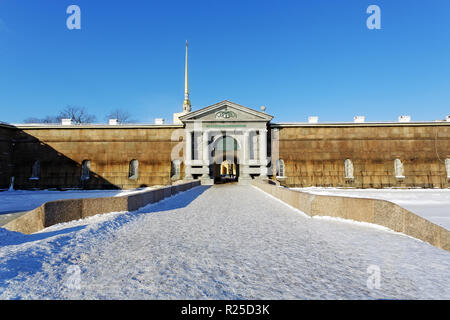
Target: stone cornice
x,y
364,124
97,126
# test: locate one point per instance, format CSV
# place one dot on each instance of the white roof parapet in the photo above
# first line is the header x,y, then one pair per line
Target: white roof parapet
x,y
66,122
159,121
113,122
365,124
404,119
359,119
313,119
93,126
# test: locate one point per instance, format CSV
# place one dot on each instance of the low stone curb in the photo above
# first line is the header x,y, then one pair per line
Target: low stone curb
x,y
60,211
381,212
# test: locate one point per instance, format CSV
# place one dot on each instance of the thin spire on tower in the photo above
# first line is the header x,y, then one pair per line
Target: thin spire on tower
x,y
187,102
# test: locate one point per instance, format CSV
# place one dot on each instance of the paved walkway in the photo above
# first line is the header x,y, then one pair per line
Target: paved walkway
x,y
220,242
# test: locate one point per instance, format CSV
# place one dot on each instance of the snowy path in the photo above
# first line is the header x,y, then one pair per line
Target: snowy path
x,y
222,242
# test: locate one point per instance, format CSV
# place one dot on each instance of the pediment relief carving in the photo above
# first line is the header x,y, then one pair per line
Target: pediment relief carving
x,y
226,111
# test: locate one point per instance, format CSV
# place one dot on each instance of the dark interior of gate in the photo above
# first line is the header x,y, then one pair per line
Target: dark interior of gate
x,y
225,160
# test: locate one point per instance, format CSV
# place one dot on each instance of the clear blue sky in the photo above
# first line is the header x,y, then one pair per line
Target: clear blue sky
x,y
299,58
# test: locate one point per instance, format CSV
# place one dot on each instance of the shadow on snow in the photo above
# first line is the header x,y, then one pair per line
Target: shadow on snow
x,y
24,264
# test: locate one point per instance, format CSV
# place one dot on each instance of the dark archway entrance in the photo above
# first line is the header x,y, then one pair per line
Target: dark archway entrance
x,y
225,172
225,160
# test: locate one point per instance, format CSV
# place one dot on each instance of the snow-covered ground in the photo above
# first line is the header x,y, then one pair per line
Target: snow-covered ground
x,y
431,204
24,200
220,242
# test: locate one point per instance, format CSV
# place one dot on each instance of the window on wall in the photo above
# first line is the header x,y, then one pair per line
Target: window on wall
x,y
85,170
398,169
348,167
280,168
134,167
175,171
35,170
447,167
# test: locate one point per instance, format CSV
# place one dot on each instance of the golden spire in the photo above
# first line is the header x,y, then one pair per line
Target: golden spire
x,y
187,102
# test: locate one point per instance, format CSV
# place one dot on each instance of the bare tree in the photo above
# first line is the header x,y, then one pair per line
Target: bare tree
x,y
77,114
47,119
51,119
121,115
32,120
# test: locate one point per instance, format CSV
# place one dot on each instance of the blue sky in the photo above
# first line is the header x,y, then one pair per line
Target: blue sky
x,y
298,58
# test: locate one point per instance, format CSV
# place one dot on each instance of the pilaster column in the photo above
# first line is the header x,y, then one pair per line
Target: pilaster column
x,y
188,156
205,155
245,164
263,146
263,153
205,147
246,147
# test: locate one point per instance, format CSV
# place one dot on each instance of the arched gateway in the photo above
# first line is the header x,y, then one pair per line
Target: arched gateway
x,y
228,132
225,157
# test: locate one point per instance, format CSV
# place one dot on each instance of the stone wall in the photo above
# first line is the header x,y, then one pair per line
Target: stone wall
x,y
381,212
60,211
314,155
6,155
61,152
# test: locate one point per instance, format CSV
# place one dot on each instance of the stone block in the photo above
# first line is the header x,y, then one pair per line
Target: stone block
x,y
304,202
148,197
62,211
332,206
444,237
290,197
359,209
93,206
167,192
158,195
390,215
421,228
135,202
30,222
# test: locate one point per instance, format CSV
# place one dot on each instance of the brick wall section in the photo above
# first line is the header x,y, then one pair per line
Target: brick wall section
x,y
375,211
315,155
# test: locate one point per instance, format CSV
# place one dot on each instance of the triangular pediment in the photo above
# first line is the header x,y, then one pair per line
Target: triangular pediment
x,y
226,111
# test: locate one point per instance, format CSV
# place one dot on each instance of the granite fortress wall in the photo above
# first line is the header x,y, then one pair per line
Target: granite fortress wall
x,y
7,134
61,152
314,155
